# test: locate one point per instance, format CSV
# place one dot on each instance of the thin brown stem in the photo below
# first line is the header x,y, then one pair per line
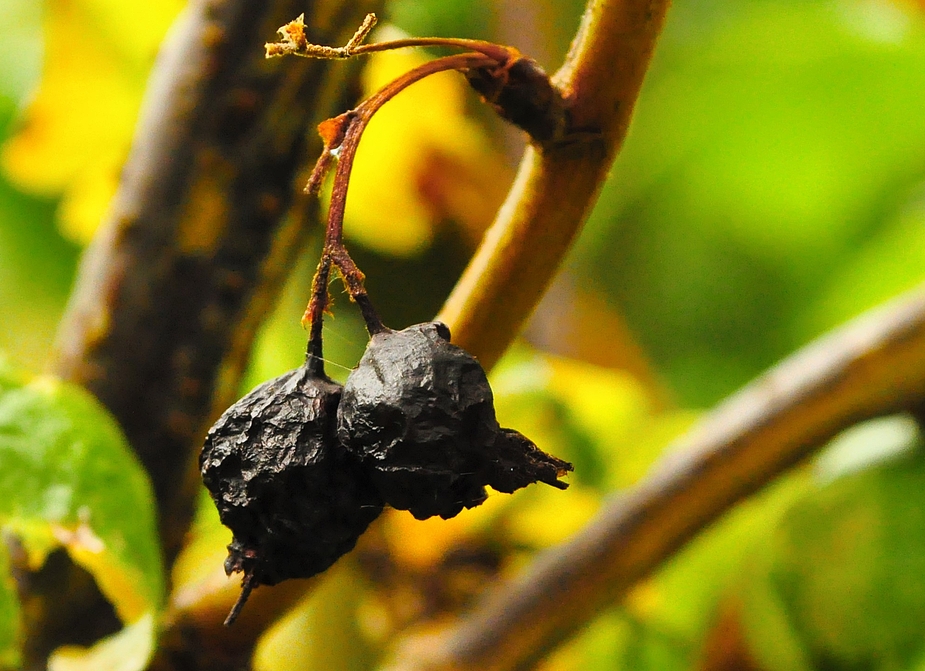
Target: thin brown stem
x,y
314,314
355,123
499,53
294,42
342,136
247,586
516,87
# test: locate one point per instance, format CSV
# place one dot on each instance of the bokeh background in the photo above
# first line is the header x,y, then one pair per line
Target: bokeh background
x,y
772,186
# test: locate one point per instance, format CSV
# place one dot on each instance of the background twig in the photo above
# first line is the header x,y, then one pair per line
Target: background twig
x,y
873,366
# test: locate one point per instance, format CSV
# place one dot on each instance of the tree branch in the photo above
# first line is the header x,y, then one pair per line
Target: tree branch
x,y
552,201
558,182
195,246
198,240
870,367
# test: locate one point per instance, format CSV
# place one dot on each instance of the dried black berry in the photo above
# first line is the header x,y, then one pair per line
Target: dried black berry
x,y
419,414
292,497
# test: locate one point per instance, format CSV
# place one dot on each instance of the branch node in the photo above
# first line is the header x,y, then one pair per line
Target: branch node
x,y
293,41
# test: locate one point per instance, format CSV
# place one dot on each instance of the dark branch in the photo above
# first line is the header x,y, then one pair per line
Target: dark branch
x,y
198,240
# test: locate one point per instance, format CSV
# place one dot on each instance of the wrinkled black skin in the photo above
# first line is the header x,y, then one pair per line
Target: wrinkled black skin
x,y
418,413
293,499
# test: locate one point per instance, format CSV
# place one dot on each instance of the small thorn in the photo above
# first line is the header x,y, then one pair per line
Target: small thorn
x,y
247,586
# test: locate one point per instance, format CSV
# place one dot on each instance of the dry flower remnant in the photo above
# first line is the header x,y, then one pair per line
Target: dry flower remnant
x,y
301,466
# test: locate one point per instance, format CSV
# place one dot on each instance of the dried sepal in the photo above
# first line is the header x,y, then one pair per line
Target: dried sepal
x,y
523,94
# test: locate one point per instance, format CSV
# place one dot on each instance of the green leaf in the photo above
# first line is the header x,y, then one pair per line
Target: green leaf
x,y
618,640
70,480
845,570
771,154
9,616
890,262
867,444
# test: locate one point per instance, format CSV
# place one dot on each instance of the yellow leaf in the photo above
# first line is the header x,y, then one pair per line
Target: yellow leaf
x,y
618,411
545,516
321,632
422,543
121,586
422,160
118,583
128,650
76,133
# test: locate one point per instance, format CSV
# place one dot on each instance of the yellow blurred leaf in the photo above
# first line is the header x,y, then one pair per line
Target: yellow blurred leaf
x,y
118,582
128,650
545,516
198,575
579,322
322,632
421,543
86,198
75,135
604,420
422,160
603,400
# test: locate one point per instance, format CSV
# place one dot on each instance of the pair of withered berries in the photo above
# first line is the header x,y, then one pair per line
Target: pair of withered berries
x,y
300,466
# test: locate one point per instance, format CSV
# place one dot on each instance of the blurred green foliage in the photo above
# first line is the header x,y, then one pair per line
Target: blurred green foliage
x,y
70,480
843,578
772,186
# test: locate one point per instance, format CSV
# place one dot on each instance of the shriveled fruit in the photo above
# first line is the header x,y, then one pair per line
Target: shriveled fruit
x,y
418,413
297,471
293,499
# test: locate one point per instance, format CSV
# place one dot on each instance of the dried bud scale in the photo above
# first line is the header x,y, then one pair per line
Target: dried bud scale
x,y
524,95
418,413
291,496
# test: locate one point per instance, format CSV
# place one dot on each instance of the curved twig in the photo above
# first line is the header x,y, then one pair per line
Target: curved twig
x,y
870,367
295,42
342,134
558,182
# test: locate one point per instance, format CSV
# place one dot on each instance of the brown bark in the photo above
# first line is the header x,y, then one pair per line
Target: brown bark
x,y
205,225
197,240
